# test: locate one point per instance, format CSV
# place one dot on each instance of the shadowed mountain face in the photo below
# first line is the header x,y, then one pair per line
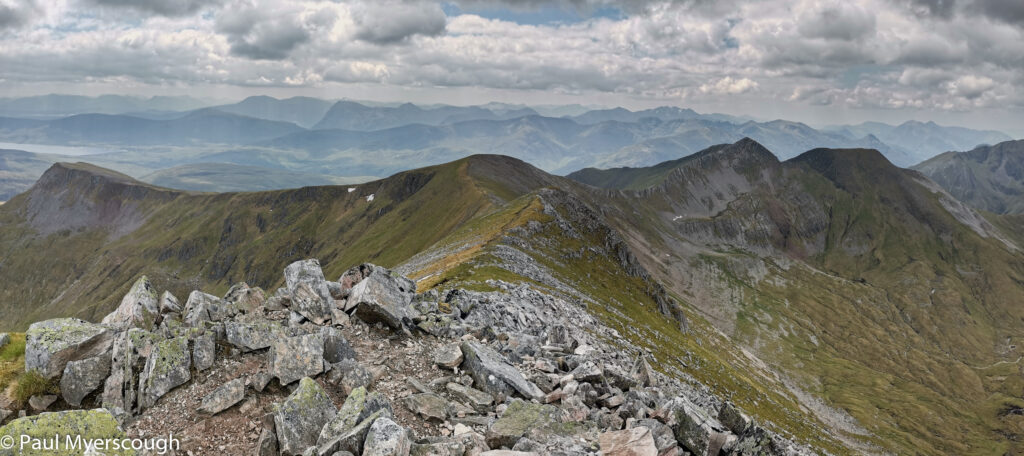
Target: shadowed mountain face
x,y
988,177
920,141
887,310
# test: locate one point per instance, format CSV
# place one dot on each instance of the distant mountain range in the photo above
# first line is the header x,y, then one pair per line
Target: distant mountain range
x,y
987,177
306,135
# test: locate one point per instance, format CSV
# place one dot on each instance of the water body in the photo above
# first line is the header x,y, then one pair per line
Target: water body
x,y
58,150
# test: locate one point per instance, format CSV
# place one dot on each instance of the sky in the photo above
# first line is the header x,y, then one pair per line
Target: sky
x,y
957,62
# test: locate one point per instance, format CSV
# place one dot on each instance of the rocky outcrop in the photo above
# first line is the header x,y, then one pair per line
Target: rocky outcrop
x,y
51,344
80,378
140,308
301,416
382,297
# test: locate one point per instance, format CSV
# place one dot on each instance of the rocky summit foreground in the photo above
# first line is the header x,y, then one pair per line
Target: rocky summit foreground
x,y
365,365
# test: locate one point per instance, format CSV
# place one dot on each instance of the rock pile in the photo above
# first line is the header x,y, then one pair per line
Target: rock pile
x,y
512,372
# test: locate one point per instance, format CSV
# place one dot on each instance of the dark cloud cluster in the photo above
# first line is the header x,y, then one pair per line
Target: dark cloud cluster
x,y
160,7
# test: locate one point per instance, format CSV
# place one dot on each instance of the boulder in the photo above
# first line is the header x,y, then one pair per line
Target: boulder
x,y
428,405
82,377
267,444
588,371
449,356
169,304
308,272
336,347
695,429
139,308
386,438
382,297
245,299
519,419
223,397
252,335
732,418
40,403
638,441
358,407
51,344
493,374
353,276
128,354
664,437
89,424
299,419
4,340
167,367
204,351
292,358
309,304
202,307
642,373
477,399
349,375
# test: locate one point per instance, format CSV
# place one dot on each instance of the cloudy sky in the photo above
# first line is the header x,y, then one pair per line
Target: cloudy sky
x,y
818,61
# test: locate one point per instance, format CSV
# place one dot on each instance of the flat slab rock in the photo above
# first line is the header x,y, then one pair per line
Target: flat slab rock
x,y
224,397
638,441
51,344
493,374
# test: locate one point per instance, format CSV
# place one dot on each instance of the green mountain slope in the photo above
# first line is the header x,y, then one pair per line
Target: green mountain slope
x,y
227,177
987,177
852,305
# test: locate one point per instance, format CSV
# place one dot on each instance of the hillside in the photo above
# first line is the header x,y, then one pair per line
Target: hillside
x,y
848,304
988,177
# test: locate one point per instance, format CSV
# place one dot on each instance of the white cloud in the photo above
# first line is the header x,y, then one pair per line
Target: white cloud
x,y
729,86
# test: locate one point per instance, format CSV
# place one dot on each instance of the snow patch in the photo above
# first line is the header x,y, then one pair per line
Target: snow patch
x,y
351,189
677,217
369,198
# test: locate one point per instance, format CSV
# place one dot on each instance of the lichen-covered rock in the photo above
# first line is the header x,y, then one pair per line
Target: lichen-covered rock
x,y
519,419
82,377
358,406
204,351
139,308
386,438
695,429
295,357
223,397
732,418
202,307
267,444
493,374
128,354
428,405
89,424
477,399
51,344
308,272
442,448
167,367
253,335
299,419
382,297
245,299
637,441
352,441
169,304
309,304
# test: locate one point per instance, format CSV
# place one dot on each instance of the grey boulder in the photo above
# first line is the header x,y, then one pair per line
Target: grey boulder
x,y
308,272
386,438
139,308
167,367
51,344
493,374
382,297
224,397
292,358
301,416
83,377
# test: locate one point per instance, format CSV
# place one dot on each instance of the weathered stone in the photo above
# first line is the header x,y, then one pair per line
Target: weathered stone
x,y
4,414
355,275
588,371
386,438
252,335
352,441
353,375
89,424
82,377
520,418
449,355
493,374
732,418
308,272
358,406
139,308
443,448
336,347
642,372
169,304
427,405
4,340
40,403
756,441
223,397
477,399
382,297
630,442
128,354
696,430
202,307
295,357
267,444
281,299
313,307
664,437
560,336
299,419
245,299
204,351
167,367
51,344
260,380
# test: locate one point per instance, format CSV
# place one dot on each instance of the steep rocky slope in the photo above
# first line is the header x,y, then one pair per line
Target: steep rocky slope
x,y
988,177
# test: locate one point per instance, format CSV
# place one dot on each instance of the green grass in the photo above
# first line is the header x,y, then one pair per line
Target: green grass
x,y
12,360
31,383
